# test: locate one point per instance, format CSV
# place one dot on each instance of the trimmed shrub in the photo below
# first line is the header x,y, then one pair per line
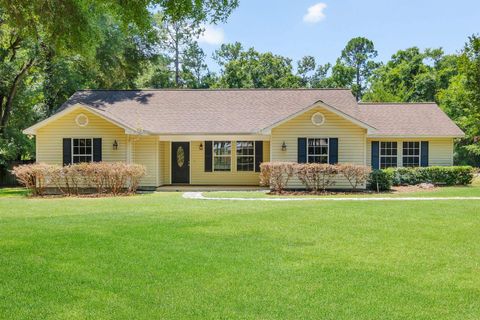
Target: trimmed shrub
x,y
316,176
114,178
381,180
276,174
455,175
356,175
35,177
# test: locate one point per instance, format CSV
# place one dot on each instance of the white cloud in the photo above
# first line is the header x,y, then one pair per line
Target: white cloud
x,y
212,35
315,13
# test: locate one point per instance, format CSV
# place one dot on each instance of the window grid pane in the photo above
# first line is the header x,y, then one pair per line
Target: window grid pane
x,y
411,154
388,154
82,150
317,150
245,156
222,148
222,155
222,163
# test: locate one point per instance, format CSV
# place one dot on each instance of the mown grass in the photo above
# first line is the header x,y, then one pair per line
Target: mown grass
x,y
164,257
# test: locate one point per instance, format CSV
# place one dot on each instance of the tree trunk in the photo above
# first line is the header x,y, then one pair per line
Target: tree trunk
x,y
12,93
49,89
177,62
359,87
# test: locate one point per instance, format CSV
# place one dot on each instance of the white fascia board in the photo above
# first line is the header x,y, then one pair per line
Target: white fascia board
x,y
413,136
33,129
320,104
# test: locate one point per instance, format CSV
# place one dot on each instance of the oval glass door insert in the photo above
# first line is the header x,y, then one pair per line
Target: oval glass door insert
x,y
180,156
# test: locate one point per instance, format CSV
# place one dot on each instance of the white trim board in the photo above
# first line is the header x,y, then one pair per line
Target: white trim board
x,y
319,104
33,129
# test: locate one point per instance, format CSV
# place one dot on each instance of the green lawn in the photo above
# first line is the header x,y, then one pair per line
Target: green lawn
x,y
159,256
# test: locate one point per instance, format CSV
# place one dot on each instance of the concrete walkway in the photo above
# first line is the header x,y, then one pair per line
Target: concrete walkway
x,y
200,196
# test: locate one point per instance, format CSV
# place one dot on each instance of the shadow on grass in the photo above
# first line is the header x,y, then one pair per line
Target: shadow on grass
x,y
13,192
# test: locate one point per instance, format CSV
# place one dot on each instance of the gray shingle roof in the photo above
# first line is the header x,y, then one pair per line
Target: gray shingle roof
x,y
407,119
251,110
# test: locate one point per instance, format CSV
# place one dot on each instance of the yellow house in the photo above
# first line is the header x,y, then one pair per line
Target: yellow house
x,y
220,137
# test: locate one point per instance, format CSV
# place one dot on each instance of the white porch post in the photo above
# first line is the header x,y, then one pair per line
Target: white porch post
x,y
130,142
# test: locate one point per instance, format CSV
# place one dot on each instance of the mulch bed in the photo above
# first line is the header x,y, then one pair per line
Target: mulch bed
x,y
86,195
395,190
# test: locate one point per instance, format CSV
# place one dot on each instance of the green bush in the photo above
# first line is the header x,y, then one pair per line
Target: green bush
x,y
455,175
381,180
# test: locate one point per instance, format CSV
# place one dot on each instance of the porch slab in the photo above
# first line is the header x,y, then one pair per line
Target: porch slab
x,y
204,188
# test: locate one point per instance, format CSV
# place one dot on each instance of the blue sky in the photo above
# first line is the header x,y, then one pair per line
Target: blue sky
x,y
289,28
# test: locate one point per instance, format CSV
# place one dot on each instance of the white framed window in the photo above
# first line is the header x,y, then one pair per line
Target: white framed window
x,y
82,150
317,150
388,154
245,156
222,155
411,154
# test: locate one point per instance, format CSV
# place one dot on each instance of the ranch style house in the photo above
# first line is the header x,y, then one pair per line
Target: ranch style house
x,y
220,137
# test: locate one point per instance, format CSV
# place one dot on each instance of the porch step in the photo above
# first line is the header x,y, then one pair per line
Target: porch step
x,y
203,188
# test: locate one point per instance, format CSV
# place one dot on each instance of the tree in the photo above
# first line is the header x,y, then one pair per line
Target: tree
x,y
194,66
321,78
305,67
461,101
412,76
252,69
355,65
228,52
176,37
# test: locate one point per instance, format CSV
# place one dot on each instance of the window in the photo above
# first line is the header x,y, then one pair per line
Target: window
x,y
222,155
82,150
245,156
317,150
411,154
388,154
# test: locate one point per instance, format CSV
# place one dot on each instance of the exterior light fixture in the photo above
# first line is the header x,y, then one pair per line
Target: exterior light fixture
x,y
200,147
284,146
115,145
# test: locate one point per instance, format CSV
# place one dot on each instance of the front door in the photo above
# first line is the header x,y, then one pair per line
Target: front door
x,y
180,162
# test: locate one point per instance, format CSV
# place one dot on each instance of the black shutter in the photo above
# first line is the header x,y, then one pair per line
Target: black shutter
x,y
67,151
333,150
208,156
375,155
302,150
258,155
424,154
97,149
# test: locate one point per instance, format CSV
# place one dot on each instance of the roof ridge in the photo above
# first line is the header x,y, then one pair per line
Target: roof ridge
x,y
396,103
223,89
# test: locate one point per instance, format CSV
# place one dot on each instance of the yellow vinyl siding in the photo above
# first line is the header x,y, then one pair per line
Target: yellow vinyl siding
x,y
351,140
166,174
440,151
161,168
49,139
200,177
146,152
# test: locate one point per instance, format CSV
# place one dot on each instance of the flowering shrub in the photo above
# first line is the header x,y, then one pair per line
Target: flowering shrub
x,y
355,174
316,176
276,174
114,178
